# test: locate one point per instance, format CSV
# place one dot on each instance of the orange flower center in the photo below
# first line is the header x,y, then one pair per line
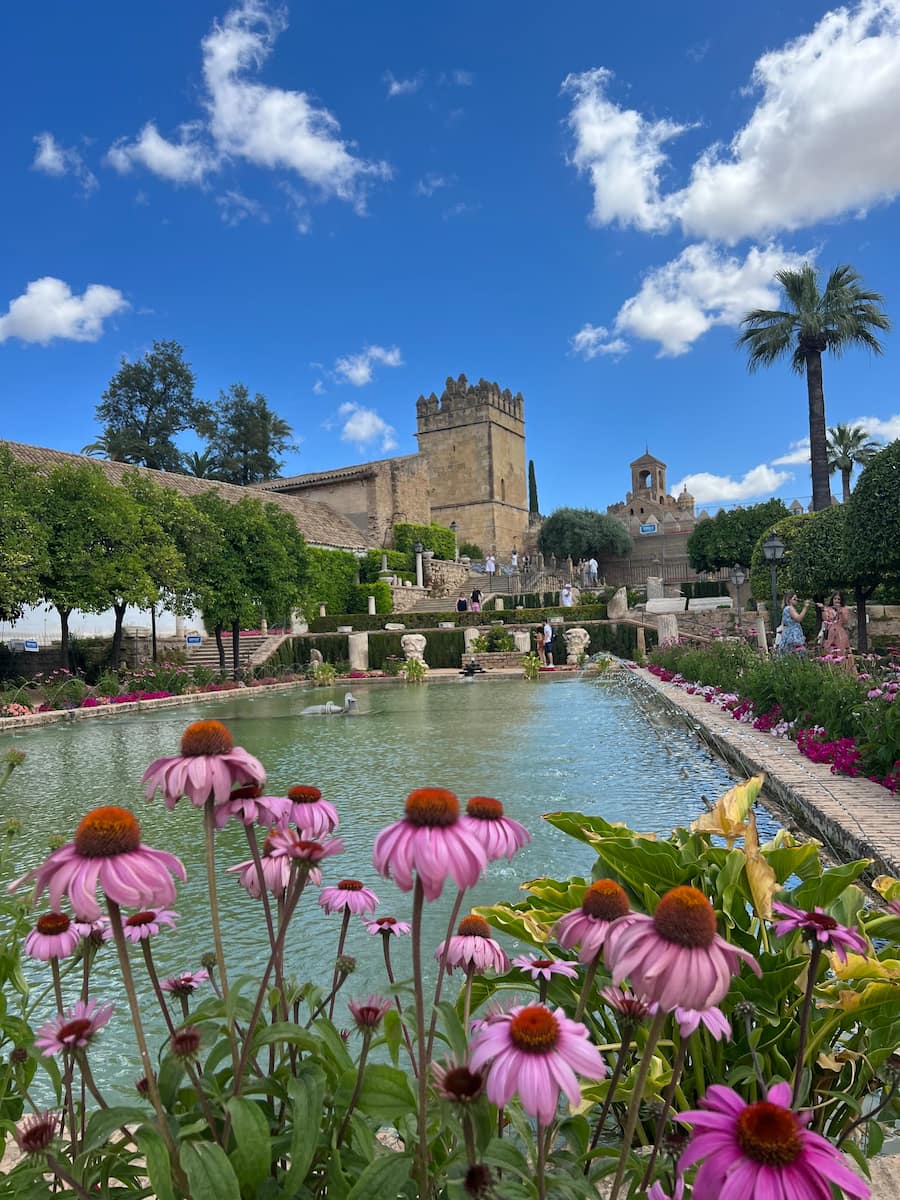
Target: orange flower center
x,y
386,921
605,900
53,923
534,1029
543,962
350,885
73,1031
248,792
304,795
108,831
484,808
768,1134
462,1084
685,916
206,737
474,927
432,807
141,918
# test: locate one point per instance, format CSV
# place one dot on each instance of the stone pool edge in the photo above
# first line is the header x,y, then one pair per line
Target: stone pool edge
x,y
854,817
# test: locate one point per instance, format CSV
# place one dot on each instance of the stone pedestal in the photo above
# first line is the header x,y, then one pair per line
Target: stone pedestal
x,y
264,627
322,610
759,625
522,639
667,628
470,633
180,628
655,588
371,606
641,651
498,604
618,605
359,651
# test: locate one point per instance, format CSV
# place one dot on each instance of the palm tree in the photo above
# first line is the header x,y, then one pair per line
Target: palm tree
x,y
117,447
849,446
842,315
203,466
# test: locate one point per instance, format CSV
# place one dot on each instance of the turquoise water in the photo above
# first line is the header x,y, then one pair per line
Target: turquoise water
x,y
570,743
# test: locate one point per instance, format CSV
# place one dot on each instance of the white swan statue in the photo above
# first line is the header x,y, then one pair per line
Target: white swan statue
x,y
330,709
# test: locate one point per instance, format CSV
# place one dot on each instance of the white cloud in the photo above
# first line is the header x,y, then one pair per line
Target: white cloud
x,y
319,388
593,340
761,481
457,78
796,455
461,209
235,207
48,309
189,160
432,182
887,430
357,368
363,427
403,87
679,301
799,159
53,159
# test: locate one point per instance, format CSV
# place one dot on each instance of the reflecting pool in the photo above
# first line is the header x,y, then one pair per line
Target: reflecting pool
x,y
570,743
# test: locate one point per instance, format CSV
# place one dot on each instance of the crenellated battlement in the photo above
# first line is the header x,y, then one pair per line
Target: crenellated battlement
x,y
460,401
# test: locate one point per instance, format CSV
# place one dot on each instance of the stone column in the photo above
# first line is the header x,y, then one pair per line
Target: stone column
x,y
667,627
179,627
498,603
641,652
420,581
264,627
761,640
371,606
358,644
322,610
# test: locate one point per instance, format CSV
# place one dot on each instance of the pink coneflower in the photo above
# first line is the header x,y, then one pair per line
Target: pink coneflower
x,y
627,1003
430,841
251,807
107,851
473,948
54,936
500,836
456,1082
894,907
818,926
313,816
387,925
760,1151
74,1029
543,968
209,765
98,929
604,902
36,1133
655,1191
675,958
713,1019
536,1053
186,1042
186,983
276,869
146,924
349,894
369,1012
296,847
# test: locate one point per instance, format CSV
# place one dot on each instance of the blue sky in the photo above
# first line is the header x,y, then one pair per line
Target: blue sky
x,y
341,204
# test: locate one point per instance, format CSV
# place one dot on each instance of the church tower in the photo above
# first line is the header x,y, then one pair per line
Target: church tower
x,y
473,439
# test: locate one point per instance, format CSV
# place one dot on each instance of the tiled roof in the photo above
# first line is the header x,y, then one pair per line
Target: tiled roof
x,y
338,475
319,523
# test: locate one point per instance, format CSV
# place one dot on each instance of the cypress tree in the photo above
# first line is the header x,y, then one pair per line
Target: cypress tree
x,y
532,489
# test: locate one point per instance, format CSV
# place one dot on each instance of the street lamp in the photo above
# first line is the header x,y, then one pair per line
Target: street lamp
x,y
773,552
738,577
453,528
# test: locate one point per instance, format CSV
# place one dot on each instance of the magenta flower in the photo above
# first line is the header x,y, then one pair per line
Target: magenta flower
x,y
604,902
54,936
184,984
389,926
818,926
74,1029
894,907
500,836
313,816
209,765
712,1019
473,948
107,852
676,958
349,894
251,807
536,1053
143,925
456,1082
369,1013
292,845
276,869
98,928
761,1151
543,968
430,841
655,1191
37,1133
627,1003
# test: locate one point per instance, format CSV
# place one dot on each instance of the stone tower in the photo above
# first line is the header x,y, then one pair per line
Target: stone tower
x,y
473,439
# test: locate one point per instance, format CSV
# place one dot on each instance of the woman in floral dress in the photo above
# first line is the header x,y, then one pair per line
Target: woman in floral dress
x,y
793,639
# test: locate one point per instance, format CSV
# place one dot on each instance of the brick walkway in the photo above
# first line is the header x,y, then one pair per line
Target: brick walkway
x,y
855,817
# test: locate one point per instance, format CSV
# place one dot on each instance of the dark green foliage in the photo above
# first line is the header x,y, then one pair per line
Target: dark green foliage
x,y
293,654
578,533
398,562
23,547
384,646
788,529
471,550
246,439
532,489
430,620
432,537
620,640
360,593
818,559
495,640
331,579
729,536
873,518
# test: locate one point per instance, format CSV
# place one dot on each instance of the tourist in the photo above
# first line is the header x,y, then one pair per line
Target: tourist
x,y
526,561
514,559
462,604
539,643
548,642
793,639
490,565
475,599
837,617
566,598
593,567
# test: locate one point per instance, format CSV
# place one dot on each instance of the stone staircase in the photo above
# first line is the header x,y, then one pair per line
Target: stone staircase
x,y
207,655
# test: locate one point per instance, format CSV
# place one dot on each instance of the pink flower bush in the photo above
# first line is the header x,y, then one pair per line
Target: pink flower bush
x,y
209,766
430,842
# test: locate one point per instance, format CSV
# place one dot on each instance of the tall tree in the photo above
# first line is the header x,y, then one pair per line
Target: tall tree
x,y
729,536
23,545
873,529
147,403
843,315
849,446
245,437
532,489
581,532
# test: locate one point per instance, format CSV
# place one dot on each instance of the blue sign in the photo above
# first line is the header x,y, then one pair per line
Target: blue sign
x,y
31,645
194,639
649,528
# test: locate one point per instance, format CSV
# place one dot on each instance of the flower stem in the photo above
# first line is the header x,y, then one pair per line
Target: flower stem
x,y
267,909
210,829
363,1055
541,1170
386,946
442,969
634,1107
345,925
589,977
154,980
627,1030
421,1158
467,998
677,1068
57,986
812,971
63,1176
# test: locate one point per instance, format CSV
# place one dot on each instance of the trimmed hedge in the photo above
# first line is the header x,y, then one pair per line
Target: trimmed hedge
x,y
332,577
295,652
359,598
443,648
704,588
403,565
433,537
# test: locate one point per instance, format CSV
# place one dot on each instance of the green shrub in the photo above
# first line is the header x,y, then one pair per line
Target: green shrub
x,y
433,537
495,641
382,647
360,593
331,579
398,563
471,550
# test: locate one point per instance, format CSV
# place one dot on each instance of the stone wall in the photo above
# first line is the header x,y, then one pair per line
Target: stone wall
x,y
445,578
512,658
405,598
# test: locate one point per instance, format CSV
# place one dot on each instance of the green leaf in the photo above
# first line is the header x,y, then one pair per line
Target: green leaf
x,y
503,1154
307,1094
382,1179
285,1032
209,1173
252,1153
385,1092
826,889
520,922
452,1028
105,1121
169,1077
235,1004
639,860
159,1165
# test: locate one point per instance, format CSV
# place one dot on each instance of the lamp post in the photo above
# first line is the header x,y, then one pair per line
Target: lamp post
x,y
773,552
453,528
738,577
417,550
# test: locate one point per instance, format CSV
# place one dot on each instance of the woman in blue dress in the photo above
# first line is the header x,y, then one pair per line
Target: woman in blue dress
x,y
793,640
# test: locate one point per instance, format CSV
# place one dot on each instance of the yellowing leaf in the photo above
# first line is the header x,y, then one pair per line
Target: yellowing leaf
x,y
762,879
887,886
729,816
858,967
